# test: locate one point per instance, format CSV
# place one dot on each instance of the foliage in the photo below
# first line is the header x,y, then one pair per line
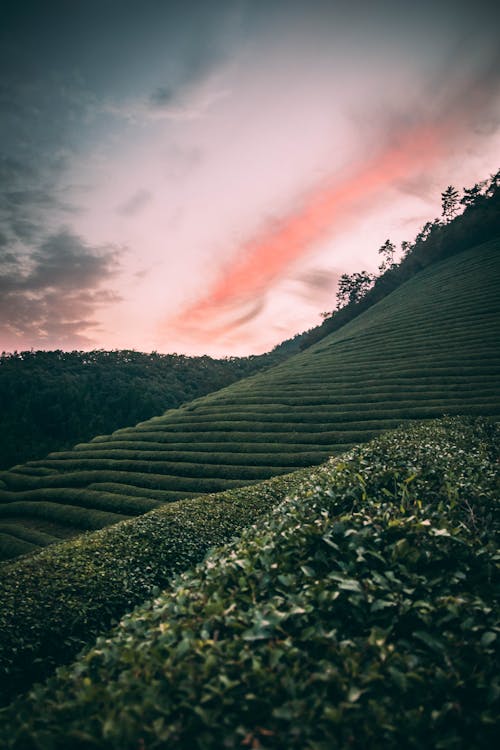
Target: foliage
x,y
360,613
54,399
415,355
450,201
56,601
353,287
479,223
387,251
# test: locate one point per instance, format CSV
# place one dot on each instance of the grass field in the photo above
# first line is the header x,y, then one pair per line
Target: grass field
x,y
430,348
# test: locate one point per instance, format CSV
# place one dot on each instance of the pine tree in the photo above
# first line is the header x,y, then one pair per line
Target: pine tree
x,y
449,203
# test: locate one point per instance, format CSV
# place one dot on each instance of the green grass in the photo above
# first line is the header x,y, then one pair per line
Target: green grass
x,y
429,348
361,612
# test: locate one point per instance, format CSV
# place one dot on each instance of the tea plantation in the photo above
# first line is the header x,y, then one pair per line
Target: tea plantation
x,y
429,348
361,612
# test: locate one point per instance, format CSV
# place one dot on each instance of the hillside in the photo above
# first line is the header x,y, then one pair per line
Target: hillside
x,y
437,240
54,399
429,348
360,613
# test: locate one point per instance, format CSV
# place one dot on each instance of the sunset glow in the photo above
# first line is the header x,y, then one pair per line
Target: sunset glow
x,y
196,192
262,260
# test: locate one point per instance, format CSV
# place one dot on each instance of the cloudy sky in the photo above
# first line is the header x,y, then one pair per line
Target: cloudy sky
x,y
194,176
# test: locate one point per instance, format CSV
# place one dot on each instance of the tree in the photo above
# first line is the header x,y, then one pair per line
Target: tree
x,y
352,288
449,203
472,195
493,184
387,252
426,231
406,248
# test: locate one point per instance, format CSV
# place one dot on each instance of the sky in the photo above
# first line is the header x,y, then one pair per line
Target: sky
x,y
194,177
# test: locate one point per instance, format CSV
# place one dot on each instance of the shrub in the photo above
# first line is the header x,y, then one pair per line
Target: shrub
x,y
360,613
57,600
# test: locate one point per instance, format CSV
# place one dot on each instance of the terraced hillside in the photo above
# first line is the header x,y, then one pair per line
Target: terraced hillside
x,y
429,348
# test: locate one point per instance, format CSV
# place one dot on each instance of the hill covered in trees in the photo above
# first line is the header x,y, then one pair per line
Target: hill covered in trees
x,y
54,399
467,220
429,348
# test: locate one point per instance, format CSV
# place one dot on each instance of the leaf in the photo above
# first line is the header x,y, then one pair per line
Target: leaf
x,y
308,571
350,584
434,643
488,638
354,694
439,532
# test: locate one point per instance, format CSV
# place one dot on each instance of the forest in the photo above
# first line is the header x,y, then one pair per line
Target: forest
x,y
54,399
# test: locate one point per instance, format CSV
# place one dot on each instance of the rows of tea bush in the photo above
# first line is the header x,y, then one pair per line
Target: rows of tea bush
x,y
182,468
61,514
54,399
429,348
360,613
82,498
59,599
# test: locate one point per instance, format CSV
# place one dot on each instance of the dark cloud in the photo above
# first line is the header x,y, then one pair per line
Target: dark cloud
x,y
318,279
67,71
248,315
161,97
316,285
135,203
49,296
23,200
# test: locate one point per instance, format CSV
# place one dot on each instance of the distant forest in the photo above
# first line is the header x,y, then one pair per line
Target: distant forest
x,y
54,399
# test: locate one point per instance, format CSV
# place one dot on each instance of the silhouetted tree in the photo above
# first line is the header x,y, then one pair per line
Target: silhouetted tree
x,y
426,231
353,287
493,184
387,252
472,195
406,248
436,240
449,203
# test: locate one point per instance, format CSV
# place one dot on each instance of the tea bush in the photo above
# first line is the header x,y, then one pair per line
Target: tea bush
x,y
360,613
56,601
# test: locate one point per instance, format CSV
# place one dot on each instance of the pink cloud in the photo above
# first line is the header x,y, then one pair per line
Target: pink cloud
x,y
237,295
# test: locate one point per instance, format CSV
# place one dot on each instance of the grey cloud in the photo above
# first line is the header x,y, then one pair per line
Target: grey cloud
x,y
28,198
316,285
135,203
161,97
248,315
318,279
421,186
49,296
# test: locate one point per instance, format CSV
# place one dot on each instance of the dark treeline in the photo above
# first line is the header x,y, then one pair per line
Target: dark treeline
x,y
51,400
438,239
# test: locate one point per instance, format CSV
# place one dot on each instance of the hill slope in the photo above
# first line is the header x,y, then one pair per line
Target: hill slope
x,y
430,347
360,613
54,399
